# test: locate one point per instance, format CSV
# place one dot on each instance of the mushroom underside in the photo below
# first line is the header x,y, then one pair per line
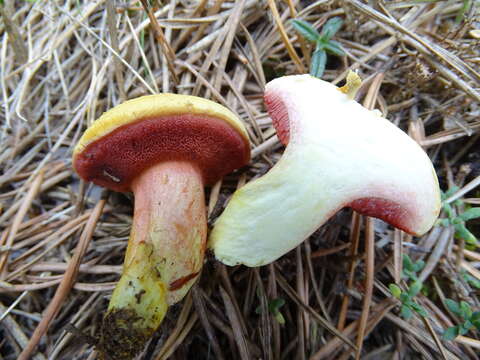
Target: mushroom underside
x,y
384,209
116,158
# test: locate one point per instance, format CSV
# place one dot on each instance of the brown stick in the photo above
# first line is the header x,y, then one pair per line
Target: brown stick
x,y
167,50
66,283
369,271
354,239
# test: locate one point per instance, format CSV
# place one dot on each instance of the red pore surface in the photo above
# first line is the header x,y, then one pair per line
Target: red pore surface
x,y
279,114
384,209
115,159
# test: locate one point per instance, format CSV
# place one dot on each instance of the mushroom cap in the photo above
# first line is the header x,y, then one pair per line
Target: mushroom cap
x,y
140,132
339,154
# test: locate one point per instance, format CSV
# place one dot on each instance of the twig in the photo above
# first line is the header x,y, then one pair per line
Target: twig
x,y
112,28
66,283
167,50
202,314
283,34
284,284
237,329
369,271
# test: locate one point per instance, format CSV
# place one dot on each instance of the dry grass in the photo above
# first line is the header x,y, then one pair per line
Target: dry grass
x,y
62,242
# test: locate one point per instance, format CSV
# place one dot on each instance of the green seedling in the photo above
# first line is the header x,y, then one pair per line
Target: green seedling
x,y
463,10
406,297
410,268
323,42
472,281
470,319
274,308
459,221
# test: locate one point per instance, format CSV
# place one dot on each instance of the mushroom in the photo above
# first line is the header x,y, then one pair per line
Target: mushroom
x,y
339,154
164,148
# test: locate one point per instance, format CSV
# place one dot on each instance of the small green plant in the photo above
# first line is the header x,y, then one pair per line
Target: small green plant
x,y
470,319
469,279
462,11
459,221
274,308
410,268
409,306
322,41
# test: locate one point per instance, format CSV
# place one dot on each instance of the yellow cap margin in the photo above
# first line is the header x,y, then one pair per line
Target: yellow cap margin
x,y
156,105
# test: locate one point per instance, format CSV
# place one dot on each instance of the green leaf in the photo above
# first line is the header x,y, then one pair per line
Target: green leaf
x,y
465,310
453,306
418,265
471,280
426,290
404,297
331,27
461,232
456,220
279,317
410,275
448,210
395,290
320,46
274,308
471,247
475,319
449,192
461,13
458,202
317,66
475,316
407,262
419,309
306,30
451,333
415,288
406,274
442,222
406,312
334,48
470,214
467,325
275,305
462,329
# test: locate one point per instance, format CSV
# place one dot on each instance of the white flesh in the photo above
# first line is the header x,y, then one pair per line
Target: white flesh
x,y
338,152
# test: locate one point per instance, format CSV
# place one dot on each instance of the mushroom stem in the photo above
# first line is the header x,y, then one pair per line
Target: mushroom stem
x,y
164,255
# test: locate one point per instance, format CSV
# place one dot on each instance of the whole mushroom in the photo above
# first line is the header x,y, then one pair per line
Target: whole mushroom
x,y
339,154
164,148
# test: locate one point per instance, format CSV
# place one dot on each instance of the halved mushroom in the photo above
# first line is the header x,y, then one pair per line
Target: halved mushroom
x,y
165,148
339,154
